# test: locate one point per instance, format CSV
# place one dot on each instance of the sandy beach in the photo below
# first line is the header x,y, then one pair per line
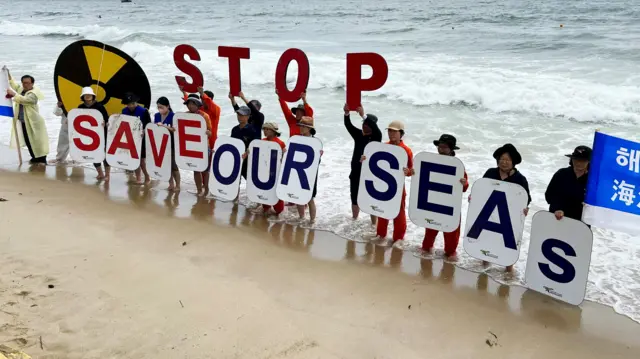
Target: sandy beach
x,y
132,272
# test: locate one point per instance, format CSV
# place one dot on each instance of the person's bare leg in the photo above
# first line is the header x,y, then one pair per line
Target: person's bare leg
x,y
176,177
100,174
138,173
300,211
107,170
205,182
197,178
143,165
509,269
312,210
374,220
355,210
171,184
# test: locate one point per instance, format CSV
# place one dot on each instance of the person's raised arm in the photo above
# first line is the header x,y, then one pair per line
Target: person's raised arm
x,y
288,116
353,130
307,108
28,99
185,95
233,102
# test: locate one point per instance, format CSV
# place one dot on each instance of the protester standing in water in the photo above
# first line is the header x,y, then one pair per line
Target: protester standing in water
x,y
27,114
246,131
294,115
201,178
507,158
88,98
447,146
395,131
370,132
271,133
135,110
164,118
568,187
308,130
62,151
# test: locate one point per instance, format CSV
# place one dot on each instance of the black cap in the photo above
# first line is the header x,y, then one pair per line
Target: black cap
x,y
516,159
372,118
194,98
581,153
449,140
300,107
130,98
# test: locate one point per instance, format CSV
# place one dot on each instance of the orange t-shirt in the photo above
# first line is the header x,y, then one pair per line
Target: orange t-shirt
x,y
207,119
277,140
294,130
409,154
213,110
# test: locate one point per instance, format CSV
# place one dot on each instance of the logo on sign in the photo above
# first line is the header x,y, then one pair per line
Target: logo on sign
x,y
377,209
156,173
221,191
121,163
86,157
190,164
551,291
291,195
431,221
262,197
488,254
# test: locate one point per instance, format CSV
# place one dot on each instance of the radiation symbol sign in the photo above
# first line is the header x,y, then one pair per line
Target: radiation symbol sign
x,y
107,70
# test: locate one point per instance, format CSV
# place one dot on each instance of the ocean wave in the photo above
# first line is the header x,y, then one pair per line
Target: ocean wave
x,y
92,32
435,81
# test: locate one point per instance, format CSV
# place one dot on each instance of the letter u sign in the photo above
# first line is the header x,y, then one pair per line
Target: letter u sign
x,y
559,257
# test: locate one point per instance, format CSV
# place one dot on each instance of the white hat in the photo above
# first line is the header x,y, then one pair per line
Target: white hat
x,y
87,91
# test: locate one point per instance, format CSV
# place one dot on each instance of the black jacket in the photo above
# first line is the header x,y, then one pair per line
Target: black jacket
x,y
97,106
516,177
566,193
361,141
253,129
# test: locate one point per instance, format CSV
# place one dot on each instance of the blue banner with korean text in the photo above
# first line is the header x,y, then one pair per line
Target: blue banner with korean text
x,y
613,191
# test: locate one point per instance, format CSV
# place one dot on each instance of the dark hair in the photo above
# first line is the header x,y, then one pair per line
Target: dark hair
x,y
256,104
209,93
164,102
33,81
401,133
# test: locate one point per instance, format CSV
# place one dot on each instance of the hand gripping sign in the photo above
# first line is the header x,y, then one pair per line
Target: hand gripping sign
x,y
300,169
86,135
436,192
559,257
226,165
382,180
262,172
190,142
124,141
495,221
158,148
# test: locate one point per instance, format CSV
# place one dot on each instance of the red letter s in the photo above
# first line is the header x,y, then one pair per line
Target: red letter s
x,y
188,68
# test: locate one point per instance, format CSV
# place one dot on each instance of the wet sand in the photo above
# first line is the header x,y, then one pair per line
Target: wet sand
x,y
124,271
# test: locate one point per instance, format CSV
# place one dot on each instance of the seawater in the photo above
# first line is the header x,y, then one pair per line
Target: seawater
x,y
489,72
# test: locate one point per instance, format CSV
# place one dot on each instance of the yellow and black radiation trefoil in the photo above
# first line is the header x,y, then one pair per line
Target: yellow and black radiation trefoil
x,y
109,71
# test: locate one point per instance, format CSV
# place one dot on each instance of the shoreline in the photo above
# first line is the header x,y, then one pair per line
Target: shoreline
x,y
332,257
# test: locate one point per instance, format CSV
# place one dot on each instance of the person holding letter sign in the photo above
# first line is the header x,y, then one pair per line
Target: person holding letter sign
x,y
88,98
133,109
370,132
201,178
271,133
447,147
294,115
395,131
245,130
164,118
507,158
210,108
308,130
568,187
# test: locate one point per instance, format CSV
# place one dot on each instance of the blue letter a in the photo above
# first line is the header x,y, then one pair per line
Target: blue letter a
x,y
497,199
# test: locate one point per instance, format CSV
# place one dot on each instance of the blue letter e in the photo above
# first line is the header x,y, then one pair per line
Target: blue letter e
x,y
497,199
425,186
383,175
236,164
568,271
290,164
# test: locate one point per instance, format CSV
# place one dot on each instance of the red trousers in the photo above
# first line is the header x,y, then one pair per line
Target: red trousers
x,y
450,240
279,207
399,223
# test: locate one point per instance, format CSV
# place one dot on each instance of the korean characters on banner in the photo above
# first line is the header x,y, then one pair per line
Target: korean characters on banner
x,y
190,142
86,135
382,180
124,141
226,165
298,173
158,149
436,192
262,172
613,190
559,257
495,221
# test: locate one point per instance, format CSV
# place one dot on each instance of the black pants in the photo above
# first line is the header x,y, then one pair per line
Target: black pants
x,y
354,185
106,165
34,159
